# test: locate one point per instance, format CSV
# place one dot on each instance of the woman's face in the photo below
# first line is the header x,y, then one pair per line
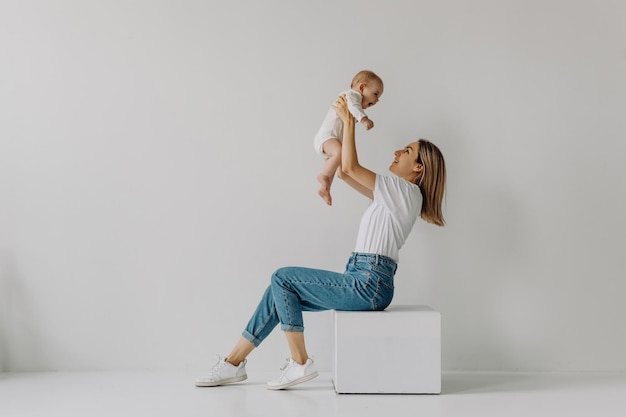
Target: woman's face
x,y
405,161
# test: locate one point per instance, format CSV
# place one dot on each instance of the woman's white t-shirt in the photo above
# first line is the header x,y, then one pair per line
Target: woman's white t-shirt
x,y
390,217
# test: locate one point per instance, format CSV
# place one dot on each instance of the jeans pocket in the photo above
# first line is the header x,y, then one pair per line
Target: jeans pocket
x,y
383,296
385,271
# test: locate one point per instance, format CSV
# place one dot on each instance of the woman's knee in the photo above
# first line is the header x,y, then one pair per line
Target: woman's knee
x,y
279,277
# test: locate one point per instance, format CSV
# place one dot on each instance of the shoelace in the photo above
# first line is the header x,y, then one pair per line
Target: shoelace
x,y
219,365
286,367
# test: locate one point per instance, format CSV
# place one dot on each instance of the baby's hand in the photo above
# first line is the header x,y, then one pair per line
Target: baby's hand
x,y
367,123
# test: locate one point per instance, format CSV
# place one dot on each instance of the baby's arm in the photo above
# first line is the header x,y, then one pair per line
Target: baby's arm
x,y
356,109
367,123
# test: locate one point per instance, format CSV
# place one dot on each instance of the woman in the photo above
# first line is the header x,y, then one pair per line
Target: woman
x,y
417,189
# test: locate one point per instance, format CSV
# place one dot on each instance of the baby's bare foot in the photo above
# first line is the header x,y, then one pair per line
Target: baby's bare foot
x,y
325,194
324,190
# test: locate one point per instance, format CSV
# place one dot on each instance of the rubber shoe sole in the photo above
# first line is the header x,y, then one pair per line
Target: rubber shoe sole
x,y
222,382
294,382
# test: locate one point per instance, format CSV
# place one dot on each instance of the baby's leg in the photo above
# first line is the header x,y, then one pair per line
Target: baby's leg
x,y
332,148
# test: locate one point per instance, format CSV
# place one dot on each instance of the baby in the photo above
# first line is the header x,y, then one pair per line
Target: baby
x,y
364,92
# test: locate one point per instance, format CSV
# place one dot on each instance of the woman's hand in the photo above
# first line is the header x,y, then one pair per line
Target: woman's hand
x,y
341,108
362,179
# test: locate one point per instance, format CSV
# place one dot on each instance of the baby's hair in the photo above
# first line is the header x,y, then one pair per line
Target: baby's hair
x,y
364,77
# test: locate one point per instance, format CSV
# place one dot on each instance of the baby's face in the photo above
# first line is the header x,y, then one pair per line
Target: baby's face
x,y
371,93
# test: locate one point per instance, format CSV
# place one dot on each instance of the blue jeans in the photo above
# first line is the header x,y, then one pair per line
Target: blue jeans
x,y
367,284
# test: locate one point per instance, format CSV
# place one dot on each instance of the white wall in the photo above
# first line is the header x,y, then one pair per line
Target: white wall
x,y
157,165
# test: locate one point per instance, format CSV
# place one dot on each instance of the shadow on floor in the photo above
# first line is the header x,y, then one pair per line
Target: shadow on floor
x,y
475,383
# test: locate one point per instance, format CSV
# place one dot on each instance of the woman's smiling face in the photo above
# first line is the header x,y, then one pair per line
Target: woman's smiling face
x,y
405,161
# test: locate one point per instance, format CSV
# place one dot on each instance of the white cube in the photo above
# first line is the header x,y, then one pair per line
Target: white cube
x,y
396,351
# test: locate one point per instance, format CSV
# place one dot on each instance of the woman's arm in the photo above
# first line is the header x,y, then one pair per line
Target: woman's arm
x,y
349,160
352,183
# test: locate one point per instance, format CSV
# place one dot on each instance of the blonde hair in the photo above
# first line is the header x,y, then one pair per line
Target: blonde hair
x,y
432,182
365,76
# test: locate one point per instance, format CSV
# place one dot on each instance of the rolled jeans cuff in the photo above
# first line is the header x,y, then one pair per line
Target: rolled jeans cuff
x,y
291,328
250,338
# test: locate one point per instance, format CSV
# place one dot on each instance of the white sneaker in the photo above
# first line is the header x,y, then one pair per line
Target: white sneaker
x,y
293,374
223,373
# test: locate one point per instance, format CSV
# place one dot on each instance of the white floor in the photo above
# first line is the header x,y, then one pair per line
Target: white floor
x,y
170,394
